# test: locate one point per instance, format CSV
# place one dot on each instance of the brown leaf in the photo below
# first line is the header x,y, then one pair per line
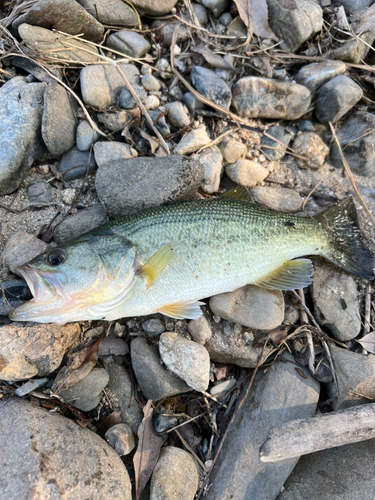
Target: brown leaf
x,y
213,59
148,450
243,7
368,342
259,16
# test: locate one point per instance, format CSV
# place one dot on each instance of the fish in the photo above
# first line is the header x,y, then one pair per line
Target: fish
x,y
168,259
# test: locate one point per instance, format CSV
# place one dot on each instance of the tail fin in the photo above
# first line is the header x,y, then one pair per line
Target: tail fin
x,y
347,249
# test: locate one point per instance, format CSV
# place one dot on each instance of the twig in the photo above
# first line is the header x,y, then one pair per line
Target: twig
x,y
311,192
305,320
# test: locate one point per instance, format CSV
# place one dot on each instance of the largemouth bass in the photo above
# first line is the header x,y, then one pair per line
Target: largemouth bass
x,y
168,258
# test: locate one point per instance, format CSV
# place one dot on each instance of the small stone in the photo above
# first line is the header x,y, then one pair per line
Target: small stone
x,y
22,247
305,126
175,476
163,422
279,199
201,13
40,192
232,150
187,359
352,6
314,75
225,19
193,140
166,30
80,223
312,148
106,152
120,438
176,93
237,28
246,173
192,103
215,6
115,121
223,387
153,327
150,83
151,102
113,345
177,115
115,12
68,196
129,43
274,150
211,86
256,97
86,394
155,7
13,294
31,385
76,164
336,98
164,68
127,101
212,162
86,136
161,123
200,330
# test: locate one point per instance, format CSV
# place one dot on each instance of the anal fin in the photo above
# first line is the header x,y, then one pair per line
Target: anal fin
x,y
292,275
156,264
189,309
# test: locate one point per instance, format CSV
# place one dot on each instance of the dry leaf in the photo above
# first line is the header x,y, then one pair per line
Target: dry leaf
x,y
153,142
213,59
298,370
368,342
243,7
259,16
148,450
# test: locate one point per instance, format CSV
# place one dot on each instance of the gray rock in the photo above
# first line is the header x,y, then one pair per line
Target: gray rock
x,y
294,21
312,148
232,150
127,101
22,247
101,85
335,297
279,395
115,121
211,86
283,135
113,345
150,83
155,382
305,126
86,394
175,476
120,393
161,123
126,187
155,7
44,454
166,30
21,107
246,173
163,421
153,326
212,162
151,102
192,141
120,438
86,136
200,330
352,6
37,71
215,6
31,385
106,152
80,223
177,115
314,75
257,97
225,19
251,306
201,13
336,98
62,15
115,12
76,164
40,192
237,28
192,103
13,294
279,199
59,120
129,43
187,359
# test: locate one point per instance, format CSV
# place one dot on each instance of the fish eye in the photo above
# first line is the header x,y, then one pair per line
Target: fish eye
x,y
56,257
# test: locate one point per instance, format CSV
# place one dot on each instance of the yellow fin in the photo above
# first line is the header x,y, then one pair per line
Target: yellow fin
x,y
239,193
292,275
181,310
156,264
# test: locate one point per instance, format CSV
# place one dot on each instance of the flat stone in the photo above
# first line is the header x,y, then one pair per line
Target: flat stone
x,y
62,15
211,86
336,98
251,306
335,298
59,120
46,455
187,359
155,7
177,116
200,330
22,247
80,223
120,438
223,387
166,30
129,186
40,192
86,394
115,12
37,71
279,199
246,173
215,6
127,101
272,149
113,345
257,97
129,43
150,83
86,136
30,350
279,395
175,476
31,385
115,121
212,162
101,84
155,382
21,108
352,6
314,75
192,103
232,150
76,164
312,148
153,326
237,28
106,152
193,140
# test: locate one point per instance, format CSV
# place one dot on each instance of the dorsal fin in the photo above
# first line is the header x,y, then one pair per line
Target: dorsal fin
x,y
292,275
239,193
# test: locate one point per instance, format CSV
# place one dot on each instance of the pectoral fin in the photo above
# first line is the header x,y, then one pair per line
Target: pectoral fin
x,y
292,275
239,193
181,310
156,264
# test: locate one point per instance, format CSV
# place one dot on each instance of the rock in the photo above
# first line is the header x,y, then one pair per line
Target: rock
x,y
211,86
153,327
311,146
29,350
200,330
76,164
86,136
161,123
123,191
155,7
223,387
335,298
294,21
107,152
187,359
115,121
115,12
31,385
129,43
62,15
279,199
120,393
150,83
80,223
200,13
279,395
256,97
225,19
155,382
215,6
163,422
246,173
237,28
40,40
127,101
232,150
192,103
40,192
175,476
192,141
274,150
336,98
113,345
251,306
120,438
21,107
166,30
177,116
37,71
86,394
13,294
151,102
22,247
59,120
46,455
314,75
305,126
101,85
212,162
352,6
68,195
